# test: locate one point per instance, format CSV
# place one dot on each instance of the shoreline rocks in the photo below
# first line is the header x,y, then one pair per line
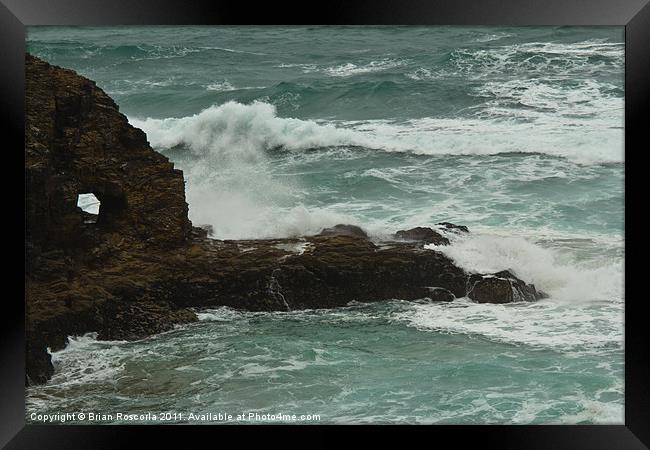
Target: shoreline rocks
x,y
138,267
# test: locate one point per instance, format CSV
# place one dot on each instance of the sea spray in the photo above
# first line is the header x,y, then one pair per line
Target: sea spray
x,y
244,132
592,279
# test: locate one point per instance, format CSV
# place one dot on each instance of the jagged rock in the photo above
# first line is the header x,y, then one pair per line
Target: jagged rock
x,y
500,287
422,234
453,227
78,142
138,269
344,230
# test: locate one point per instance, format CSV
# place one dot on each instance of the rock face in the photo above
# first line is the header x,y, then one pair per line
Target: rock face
x,y
141,265
501,287
77,142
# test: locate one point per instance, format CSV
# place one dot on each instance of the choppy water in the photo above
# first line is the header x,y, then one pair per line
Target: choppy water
x,y
515,132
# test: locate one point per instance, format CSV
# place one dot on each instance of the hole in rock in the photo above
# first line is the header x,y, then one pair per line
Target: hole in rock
x,y
89,204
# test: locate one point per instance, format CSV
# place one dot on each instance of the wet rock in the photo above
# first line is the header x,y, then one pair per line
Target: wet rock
x,y
452,227
438,294
139,319
422,234
500,287
344,230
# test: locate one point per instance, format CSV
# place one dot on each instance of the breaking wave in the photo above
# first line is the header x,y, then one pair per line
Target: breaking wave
x,y
563,275
246,131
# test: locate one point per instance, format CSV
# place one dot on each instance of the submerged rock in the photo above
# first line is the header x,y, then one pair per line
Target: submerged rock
x,y
422,234
138,268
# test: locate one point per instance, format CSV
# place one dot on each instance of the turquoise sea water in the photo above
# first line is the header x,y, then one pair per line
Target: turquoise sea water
x,y
514,132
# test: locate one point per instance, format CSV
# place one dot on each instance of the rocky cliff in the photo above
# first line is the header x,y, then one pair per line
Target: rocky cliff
x,y
139,266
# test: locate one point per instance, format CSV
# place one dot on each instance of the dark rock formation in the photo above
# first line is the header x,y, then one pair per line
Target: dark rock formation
x,y
501,287
344,230
141,265
438,294
454,227
77,142
77,264
424,235
316,272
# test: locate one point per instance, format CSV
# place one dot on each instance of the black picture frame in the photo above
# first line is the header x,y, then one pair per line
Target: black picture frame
x,y
15,15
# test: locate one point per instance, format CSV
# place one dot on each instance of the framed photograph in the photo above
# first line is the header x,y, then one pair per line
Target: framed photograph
x,y
410,214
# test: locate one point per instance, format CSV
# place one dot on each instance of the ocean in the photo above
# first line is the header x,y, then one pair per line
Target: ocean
x,y
515,132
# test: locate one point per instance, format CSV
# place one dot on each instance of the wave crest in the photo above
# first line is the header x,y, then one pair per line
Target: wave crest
x,y
237,131
594,277
246,131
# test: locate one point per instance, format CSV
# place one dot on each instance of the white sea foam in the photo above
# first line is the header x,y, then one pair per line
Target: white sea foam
x,y
421,74
565,280
240,131
251,213
153,52
221,314
306,68
583,314
247,131
348,69
590,412
222,86
489,37
549,61
560,59
85,360
594,412
546,323
243,199
585,143
226,86
231,50
231,184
